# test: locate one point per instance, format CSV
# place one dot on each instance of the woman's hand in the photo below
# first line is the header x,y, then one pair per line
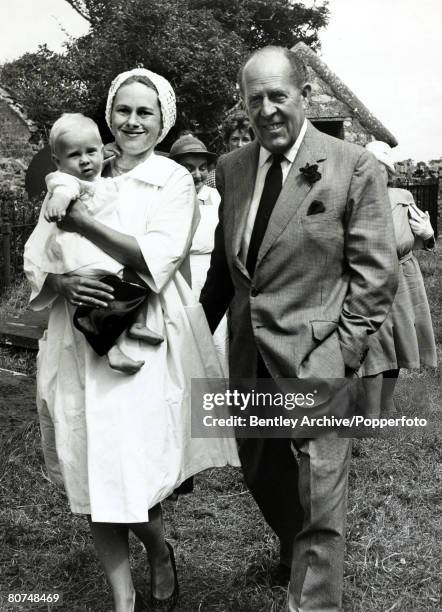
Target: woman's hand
x,y
422,227
76,218
80,290
111,150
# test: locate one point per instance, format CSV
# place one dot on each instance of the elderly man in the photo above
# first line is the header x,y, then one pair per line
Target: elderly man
x,y
304,259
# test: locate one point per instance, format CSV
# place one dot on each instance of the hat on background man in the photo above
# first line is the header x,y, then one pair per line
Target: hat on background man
x,y
189,144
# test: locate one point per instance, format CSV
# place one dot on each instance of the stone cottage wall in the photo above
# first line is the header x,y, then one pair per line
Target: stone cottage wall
x,y
354,132
323,104
19,141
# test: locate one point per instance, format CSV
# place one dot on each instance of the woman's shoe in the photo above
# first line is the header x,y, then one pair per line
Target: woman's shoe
x,y
168,604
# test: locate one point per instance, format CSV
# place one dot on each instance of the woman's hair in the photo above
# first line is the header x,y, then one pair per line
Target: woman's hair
x,y
69,122
139,79
237,120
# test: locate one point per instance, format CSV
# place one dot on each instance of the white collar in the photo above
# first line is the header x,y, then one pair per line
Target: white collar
x,y
204,193
155,170
289,155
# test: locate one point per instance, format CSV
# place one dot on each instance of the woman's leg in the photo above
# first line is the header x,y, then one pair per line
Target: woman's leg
x,y
112,546
152,536
388,386
372,386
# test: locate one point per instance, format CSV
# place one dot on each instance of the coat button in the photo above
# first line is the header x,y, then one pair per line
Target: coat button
x,y
254,292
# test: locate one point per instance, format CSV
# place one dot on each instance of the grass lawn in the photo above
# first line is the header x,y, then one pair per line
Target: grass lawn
x,y
223,548
14,301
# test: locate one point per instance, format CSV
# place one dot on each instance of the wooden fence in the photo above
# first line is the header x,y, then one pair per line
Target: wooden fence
x,y
18,217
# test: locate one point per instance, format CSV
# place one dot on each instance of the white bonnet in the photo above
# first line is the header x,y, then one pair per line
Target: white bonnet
x,y
166,96
382,152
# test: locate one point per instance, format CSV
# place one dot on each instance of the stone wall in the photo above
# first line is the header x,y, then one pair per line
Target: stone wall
x,y
19,141
354,132
323,104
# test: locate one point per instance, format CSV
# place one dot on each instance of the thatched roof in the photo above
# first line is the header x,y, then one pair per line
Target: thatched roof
x,y
344,94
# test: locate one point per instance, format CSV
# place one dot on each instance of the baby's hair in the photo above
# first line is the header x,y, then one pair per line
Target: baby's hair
x,y
66,123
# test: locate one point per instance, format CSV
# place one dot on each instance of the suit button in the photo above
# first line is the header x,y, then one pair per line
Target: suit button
x,y
254,292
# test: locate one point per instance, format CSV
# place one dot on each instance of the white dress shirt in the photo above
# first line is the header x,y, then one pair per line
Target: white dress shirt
x,y
264,163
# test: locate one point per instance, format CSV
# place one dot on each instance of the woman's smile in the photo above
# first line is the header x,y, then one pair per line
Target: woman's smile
x,y
130,134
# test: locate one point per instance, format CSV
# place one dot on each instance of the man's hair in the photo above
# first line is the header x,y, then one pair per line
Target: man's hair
x,y
238,120
69,122
298,68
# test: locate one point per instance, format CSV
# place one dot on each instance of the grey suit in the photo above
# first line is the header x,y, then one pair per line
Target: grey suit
x,y
322,283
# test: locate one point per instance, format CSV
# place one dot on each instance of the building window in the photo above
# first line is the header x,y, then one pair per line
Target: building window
x,y
332,128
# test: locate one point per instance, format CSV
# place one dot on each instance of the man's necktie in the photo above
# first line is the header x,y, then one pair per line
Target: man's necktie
x,y
270,193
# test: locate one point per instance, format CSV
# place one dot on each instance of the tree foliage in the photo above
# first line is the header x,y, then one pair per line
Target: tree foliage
x,y
197,44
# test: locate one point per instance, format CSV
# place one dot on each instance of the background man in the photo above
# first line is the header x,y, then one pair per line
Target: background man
x,y
304,257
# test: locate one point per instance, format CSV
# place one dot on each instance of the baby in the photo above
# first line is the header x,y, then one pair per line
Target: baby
x,y
77,150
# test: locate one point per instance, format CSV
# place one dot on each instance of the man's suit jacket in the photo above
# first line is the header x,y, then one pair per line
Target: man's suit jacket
x,y
326,271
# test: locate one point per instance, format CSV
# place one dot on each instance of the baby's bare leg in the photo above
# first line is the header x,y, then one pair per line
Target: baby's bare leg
x,y
139,330
121,362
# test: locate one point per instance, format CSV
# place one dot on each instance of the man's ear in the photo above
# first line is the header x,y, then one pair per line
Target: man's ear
x,y
306,90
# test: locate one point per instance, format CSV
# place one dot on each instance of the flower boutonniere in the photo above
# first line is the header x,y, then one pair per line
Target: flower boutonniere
x,y
311,173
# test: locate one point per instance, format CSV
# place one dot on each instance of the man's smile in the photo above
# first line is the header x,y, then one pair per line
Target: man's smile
x,y
273,127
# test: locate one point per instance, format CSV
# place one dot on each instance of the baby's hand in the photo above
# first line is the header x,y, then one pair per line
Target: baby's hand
x,y
53,214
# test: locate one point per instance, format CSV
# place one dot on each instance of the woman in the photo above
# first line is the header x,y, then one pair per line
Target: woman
x,y
406,338
121,444
236,132
191,153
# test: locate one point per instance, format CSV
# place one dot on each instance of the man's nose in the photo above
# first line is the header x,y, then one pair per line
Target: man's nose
x,y
267,108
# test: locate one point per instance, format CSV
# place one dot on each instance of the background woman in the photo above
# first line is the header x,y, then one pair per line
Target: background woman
x,y
406,338
236,132
120,444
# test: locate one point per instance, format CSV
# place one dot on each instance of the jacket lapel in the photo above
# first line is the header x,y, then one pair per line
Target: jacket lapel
x,y
243,186
295,189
